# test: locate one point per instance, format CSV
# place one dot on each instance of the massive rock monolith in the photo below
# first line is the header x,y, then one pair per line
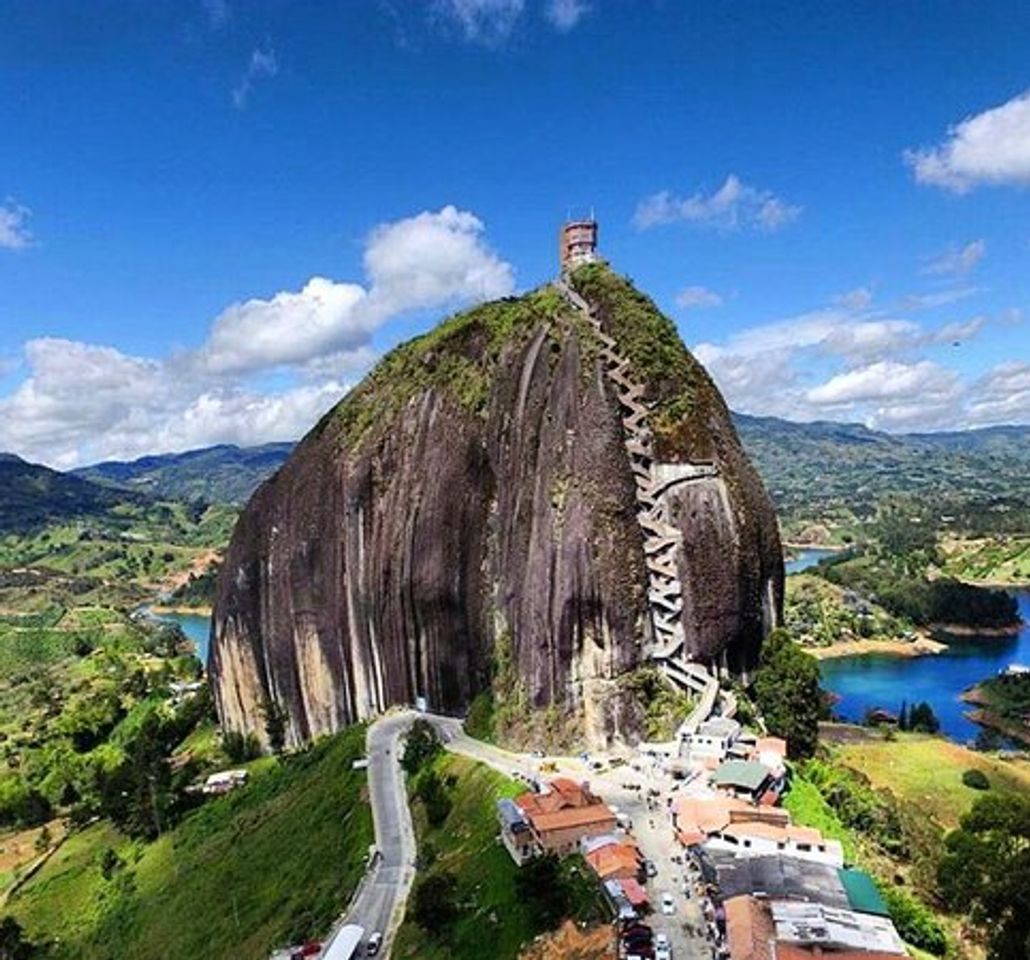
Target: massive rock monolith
x,y
468,518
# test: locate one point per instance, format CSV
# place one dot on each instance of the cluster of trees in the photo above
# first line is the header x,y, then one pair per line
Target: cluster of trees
x,y
921,601
920,718
788,695
985,871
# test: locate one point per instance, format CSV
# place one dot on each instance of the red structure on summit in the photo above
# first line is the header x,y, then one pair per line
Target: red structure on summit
x,y
577,243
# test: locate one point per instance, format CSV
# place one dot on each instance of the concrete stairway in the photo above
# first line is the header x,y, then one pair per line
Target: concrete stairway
x,y
662,539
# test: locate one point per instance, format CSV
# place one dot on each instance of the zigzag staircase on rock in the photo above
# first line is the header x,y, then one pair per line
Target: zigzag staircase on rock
x,y
662,539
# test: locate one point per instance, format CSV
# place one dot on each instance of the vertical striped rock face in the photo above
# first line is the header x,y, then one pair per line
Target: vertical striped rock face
x,y
469,515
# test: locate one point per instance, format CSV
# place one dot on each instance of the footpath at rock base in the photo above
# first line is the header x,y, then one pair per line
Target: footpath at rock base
x,y
527,495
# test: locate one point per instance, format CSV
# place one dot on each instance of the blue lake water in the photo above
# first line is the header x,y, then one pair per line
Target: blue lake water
x,y
807,557
875,680
196,626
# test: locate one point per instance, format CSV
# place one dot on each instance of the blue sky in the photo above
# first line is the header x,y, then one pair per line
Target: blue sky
x,y
831,199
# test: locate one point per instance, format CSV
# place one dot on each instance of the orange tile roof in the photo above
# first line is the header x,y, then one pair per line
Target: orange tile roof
x,y
562,794
593,815
695,814
749,929
614,860
769,831
635,893
791,951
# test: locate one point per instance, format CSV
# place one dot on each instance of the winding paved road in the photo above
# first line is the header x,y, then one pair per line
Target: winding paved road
x,y
379,902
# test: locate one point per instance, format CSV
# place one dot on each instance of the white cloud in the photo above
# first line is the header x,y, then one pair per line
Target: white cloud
x,y
14,230
565,14
851,361
288,328
262,63
433,259
883,380
692,298
488,22
858,299
992,147
82,402
734,206
1002,396
957,262
958,331
428,261
939,298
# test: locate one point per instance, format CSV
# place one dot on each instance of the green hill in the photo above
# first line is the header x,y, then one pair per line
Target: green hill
x,y
815,469
220,474
34,496
235,879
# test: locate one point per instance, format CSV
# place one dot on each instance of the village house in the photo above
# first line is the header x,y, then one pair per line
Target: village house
x,y
557,818
516,835
752,838
762,929
712,739
748,780
613,858
697,818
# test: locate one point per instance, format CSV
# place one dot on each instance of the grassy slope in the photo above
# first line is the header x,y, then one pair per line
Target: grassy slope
x,y
928,771
493,922
465,844
807,806
246,872
995,560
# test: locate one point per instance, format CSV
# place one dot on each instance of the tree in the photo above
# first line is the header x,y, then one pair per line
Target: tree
x,y
976,779
240,747
985,869
542,887
431,791
903,723
788,695
922,719
420,746
434,901
275,724
13,945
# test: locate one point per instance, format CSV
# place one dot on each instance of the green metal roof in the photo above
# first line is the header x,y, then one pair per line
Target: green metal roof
x,y
861,892
741,773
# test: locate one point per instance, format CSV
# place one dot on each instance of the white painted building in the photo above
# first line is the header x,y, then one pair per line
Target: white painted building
x,y
750,838
713,739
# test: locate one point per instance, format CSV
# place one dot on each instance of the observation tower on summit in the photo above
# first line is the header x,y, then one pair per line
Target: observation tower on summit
x,y
577,243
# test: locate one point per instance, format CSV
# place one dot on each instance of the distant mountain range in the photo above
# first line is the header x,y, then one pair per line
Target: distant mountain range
x,y
807,467
221,474
33,496
811,466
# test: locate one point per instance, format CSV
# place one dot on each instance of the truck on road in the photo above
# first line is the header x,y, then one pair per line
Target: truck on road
x,y
344,946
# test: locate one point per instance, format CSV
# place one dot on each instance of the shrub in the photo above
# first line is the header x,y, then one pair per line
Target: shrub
x,y
434,901
240,747
915,923
976,779
420,746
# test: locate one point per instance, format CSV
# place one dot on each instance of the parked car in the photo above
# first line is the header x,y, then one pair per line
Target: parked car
x,y
374,943
668,904
650,869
